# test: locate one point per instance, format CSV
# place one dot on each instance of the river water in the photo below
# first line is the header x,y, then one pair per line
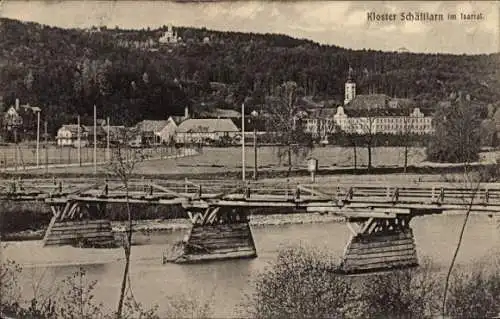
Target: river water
x,y
226,283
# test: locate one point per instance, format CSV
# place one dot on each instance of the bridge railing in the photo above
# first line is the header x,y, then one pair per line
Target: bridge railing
x,y
424,194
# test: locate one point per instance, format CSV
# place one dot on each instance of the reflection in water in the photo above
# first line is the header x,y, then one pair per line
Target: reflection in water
x,y
226,283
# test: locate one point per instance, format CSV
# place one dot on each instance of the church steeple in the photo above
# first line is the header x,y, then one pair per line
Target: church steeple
x,y
350,87
350,74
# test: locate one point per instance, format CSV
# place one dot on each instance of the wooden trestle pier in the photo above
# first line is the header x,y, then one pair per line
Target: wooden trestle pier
x,y
377,215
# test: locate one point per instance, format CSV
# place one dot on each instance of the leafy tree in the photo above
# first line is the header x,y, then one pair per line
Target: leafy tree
x,y
457,133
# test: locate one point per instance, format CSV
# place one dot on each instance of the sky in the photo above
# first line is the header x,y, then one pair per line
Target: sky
x,y
328,22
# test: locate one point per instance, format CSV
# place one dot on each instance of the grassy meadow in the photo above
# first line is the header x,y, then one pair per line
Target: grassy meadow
x,y
215,160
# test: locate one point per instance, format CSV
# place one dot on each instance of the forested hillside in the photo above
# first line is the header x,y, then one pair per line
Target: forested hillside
x,y
67,71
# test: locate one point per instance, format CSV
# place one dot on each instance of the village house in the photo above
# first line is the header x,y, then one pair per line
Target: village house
x,y
205,130
67,135
149,131
117,134
19,122
167,134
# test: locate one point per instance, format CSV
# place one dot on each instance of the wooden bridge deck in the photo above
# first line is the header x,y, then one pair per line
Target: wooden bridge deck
x,y
424,197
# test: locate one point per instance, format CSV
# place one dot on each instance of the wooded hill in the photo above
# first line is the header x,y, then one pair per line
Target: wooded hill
x,y
130,77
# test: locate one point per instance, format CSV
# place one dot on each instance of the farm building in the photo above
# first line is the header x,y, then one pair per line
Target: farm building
x,y
203,130
149,131
167,133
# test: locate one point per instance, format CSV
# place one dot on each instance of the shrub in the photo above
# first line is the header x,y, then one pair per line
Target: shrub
x,y
188,306
409,293
474,295
301,284
75,299
9,289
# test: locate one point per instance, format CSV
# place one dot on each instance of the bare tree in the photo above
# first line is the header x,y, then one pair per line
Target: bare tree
x,y
361,130
406,132
472,178
122,165
284,120
471,181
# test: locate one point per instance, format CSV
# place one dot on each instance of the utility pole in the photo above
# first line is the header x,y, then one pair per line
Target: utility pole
x,y
95,140
37,139
108,157
255,114
243,141
255,153
79,142
46,150
16,149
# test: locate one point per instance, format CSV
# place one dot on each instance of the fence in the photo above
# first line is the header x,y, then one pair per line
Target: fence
x,y
23,157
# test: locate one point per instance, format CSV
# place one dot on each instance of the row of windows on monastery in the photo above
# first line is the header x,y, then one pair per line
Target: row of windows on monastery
x,y
414,123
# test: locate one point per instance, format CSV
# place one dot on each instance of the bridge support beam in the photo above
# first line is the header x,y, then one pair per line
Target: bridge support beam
x,y
79,224
379,244
218,233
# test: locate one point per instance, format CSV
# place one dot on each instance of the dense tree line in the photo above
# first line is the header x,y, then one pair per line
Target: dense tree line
x,y
67,71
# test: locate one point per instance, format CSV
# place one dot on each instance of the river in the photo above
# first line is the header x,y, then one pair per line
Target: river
x,y
226,283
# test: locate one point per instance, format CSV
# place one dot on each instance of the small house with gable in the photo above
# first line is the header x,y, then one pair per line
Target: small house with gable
x,y
149,131
67,135
167,133
19,122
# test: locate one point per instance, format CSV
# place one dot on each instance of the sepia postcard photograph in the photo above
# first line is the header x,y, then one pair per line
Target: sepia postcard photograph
x,y
249,159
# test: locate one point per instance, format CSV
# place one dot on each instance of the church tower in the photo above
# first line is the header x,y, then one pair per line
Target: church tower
x,y
350,88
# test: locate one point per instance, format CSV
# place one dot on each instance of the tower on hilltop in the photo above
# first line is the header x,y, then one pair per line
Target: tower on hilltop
x,y
350,87
169,37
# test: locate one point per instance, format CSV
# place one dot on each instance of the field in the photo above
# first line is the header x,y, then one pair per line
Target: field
x,y
214,160
24,156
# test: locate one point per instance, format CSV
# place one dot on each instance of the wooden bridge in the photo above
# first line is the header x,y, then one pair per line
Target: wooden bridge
x,y
377,215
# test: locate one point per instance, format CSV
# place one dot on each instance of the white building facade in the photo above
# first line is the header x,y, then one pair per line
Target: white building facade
x,y
169,37
413,123
200,130
367,114
67,135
